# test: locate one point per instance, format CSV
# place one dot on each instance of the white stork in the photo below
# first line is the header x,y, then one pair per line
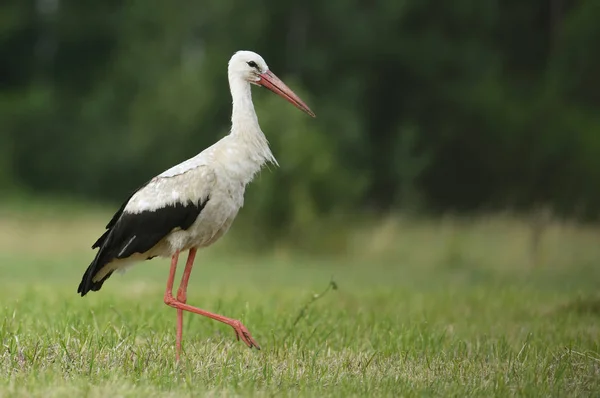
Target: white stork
x,y
192,204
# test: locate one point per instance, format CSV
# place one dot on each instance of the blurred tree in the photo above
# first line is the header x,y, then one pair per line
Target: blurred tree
x,y
422,105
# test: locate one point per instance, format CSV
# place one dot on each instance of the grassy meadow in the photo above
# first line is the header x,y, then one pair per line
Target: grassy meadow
x,y
422,308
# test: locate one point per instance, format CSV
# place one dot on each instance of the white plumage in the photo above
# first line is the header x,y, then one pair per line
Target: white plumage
x,y
194,203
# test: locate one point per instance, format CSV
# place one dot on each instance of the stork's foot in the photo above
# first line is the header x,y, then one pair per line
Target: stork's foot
x,y
242,333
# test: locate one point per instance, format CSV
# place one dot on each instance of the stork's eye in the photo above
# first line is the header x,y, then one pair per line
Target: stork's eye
x,y
252,64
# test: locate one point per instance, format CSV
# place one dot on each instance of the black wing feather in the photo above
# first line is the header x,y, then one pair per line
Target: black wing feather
x,y
114,219
129,233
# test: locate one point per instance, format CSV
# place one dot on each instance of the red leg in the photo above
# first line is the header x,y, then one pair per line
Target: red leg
x,y
240,330
182,291
169,290
169,293
182,295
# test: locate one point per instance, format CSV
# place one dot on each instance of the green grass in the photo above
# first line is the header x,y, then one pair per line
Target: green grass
x,y
438,311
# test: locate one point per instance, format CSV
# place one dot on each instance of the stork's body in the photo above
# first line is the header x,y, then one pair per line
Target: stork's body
x,y
193,204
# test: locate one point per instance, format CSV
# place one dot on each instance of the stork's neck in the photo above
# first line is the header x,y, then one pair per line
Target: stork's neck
x,y
243,116
244,123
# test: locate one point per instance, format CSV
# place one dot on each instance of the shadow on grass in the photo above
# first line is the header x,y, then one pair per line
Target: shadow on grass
x,y
582,306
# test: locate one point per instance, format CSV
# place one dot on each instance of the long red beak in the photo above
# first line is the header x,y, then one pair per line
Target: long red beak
x,y
273,83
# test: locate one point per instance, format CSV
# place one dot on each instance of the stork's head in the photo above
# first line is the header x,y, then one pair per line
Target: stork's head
x,y
252,68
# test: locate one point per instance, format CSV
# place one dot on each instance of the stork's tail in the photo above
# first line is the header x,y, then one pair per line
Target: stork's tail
x,y
87,282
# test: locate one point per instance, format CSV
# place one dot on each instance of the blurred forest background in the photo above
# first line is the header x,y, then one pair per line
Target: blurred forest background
x,y
427,107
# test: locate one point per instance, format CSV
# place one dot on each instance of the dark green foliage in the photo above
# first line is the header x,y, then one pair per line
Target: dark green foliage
x,y
422,105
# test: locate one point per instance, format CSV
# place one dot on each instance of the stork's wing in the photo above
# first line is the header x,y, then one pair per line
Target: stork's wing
x,y
166,203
